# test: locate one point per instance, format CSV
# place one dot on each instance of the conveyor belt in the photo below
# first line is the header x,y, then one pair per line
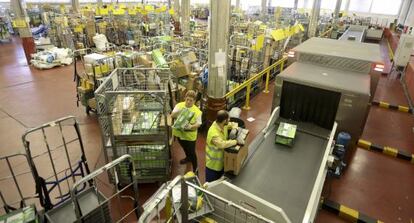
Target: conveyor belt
x,y
282,175
359,36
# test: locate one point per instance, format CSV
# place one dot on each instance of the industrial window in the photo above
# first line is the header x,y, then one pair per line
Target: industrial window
x,y
325,4
200,2
48,1
328,4
307,4
360,5
283,3
386,7
246,5
87,1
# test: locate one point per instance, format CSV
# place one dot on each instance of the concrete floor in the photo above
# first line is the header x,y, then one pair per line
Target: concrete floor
x,y
374,184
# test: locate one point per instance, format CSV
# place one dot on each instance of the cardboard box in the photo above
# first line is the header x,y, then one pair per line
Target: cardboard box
x,y
179,69
189,58
183,119
285,134
234,158
143,60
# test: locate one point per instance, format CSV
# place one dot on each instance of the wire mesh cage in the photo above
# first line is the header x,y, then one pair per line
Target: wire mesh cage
x,y
183,200
14,197
132,107
57,159
98,203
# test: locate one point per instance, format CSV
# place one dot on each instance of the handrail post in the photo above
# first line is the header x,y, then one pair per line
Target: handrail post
x,y
267,82
281,66
247,104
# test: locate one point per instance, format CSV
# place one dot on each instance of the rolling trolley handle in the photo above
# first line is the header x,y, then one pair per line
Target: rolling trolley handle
x,y
96,173
41,188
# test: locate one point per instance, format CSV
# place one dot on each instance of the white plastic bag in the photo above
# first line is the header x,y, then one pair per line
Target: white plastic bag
x,y
100,41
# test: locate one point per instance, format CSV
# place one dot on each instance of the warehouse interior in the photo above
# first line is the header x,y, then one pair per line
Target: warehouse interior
x,y
96,123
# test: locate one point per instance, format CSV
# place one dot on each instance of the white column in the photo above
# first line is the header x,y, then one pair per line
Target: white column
x,y
314,20
185,16
405,9
219,23
337,9
75,6
177,8
347,5
19,9
264,8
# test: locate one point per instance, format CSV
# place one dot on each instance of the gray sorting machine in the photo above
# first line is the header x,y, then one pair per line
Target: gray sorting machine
x,y
344,56
327,90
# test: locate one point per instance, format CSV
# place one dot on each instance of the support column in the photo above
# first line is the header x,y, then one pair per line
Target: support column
x,y
295,6
177,8
25,33
337,9
405,8
238,4
313,23
219,23
264,8
100,3
176,17
75,6
185,16
409,20
347,2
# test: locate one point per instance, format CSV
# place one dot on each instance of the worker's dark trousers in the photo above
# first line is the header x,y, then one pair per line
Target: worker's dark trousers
x,y
212,175
189,148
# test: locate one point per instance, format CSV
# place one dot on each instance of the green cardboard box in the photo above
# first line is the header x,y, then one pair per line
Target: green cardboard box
x,y
183,119
24,215
285,134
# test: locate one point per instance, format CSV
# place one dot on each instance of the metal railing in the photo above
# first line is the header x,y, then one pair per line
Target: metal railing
x,y
248,84
326,33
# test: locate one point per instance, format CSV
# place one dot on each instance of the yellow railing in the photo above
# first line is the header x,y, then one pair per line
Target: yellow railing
x,y
248,84
326,32
390,52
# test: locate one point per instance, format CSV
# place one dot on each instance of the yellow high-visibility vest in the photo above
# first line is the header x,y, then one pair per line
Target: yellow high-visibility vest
x,y
214,155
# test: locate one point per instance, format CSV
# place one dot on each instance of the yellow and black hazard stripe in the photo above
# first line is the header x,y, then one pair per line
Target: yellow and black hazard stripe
x,y
387,150
400,108
347,213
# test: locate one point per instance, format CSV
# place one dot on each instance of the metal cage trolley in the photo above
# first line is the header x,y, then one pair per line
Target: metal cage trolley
x,y
132,109
184,200
13,197
94,72
57,159
91,205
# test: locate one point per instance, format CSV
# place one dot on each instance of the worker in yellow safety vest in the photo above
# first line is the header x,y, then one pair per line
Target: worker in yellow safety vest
x,y
187,137
216,143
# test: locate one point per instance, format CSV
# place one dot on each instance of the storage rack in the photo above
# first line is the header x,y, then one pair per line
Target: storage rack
x,y
89,78
132,108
